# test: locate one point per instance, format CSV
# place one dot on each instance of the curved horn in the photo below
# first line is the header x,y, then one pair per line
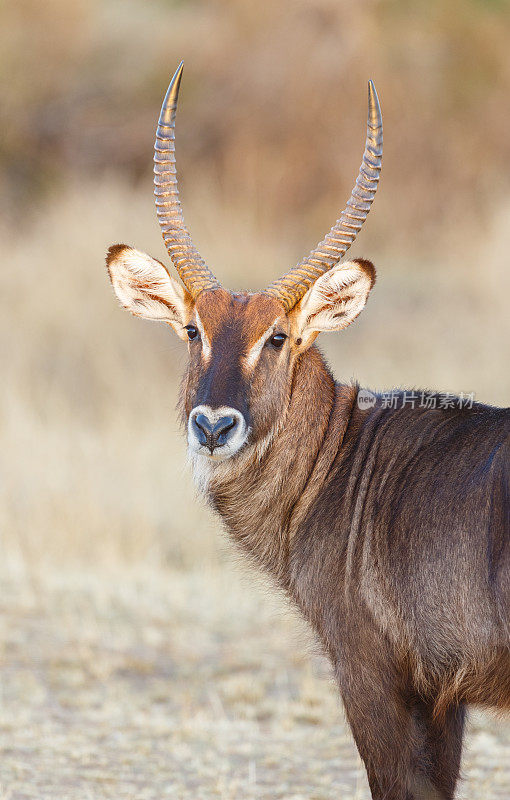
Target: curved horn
x,y
290,288
192,269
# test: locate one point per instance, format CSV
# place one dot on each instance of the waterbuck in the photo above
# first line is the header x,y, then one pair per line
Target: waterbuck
x,y
385,520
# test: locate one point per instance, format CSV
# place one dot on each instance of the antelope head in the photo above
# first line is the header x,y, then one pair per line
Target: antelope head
x,y
243,347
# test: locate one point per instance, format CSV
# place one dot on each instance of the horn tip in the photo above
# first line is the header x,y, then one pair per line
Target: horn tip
x,y
173,87
372,92
170,100
374,107
177,76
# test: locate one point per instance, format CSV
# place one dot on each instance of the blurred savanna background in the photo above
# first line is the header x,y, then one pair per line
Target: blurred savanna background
x,y
139,658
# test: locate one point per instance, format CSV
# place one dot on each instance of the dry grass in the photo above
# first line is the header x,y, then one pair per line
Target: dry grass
x,y
136,662
149,684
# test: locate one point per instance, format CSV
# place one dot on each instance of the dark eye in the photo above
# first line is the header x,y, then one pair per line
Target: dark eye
x,y
192,332
277,340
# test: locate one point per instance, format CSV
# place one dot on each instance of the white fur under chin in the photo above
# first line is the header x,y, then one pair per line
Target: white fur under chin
x,y
204,466
201,468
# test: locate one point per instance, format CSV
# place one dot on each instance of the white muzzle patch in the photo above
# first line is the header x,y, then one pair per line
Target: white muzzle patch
x,y
235,439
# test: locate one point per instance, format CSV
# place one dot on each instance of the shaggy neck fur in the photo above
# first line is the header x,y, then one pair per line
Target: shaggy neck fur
x,y
265,492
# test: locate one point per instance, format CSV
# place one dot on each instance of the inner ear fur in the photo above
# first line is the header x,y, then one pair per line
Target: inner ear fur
x,y
334,300
144,287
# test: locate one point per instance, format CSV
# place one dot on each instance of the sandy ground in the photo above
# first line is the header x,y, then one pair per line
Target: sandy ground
x,y
180,685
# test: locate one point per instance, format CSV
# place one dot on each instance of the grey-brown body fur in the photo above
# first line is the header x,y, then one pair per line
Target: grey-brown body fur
x,y
389,528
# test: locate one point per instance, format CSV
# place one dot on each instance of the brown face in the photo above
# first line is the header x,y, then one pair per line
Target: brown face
x,y
236,389
242,347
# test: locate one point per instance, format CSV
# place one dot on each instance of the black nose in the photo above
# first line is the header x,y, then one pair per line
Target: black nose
x,y
213,434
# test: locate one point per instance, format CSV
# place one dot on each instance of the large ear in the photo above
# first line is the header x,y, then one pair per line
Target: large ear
x,y
144,287
334,300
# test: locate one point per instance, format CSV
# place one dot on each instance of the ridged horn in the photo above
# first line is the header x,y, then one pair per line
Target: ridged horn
x,y
192,269
290,288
